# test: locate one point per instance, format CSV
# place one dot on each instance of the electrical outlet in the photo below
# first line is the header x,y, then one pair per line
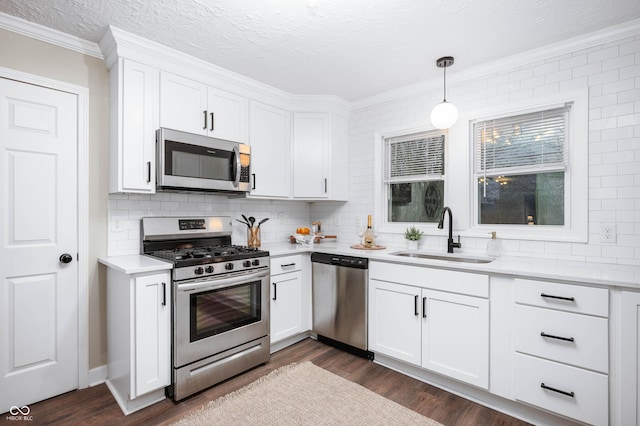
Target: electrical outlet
x,y
608,233
116,225
281,217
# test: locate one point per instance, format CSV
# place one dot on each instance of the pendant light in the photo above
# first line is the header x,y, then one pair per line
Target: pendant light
x,y
445,114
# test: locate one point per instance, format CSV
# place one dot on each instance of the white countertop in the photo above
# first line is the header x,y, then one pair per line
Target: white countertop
x,y
578,272
135,264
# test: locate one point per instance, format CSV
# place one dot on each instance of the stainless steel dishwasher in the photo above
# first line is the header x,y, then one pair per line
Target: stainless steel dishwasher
x,y
340,301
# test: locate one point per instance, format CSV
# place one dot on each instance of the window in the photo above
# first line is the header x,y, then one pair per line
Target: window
x,y
521,168
414,177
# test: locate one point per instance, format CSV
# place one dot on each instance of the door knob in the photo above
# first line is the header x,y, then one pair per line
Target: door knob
x,y
65,258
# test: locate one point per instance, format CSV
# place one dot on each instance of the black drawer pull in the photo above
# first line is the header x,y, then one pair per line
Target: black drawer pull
x,y
551,336
205,120
275,291
549,296
424,307
287,265
571,394
415,305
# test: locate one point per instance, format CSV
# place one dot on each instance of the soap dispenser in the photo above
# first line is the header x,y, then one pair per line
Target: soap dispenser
x,y
493,246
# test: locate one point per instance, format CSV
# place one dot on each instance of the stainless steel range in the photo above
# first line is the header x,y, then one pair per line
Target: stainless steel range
x,y
220,293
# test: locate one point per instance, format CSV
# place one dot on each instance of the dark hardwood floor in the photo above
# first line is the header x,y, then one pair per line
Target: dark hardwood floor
x,y
96,406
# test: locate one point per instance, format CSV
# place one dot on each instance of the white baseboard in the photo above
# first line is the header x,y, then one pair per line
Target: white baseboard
x,y
97,375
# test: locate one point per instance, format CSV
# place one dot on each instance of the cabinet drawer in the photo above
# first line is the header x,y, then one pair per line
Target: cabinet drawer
x,y
564,297
574,339
281,265
587,392
436,279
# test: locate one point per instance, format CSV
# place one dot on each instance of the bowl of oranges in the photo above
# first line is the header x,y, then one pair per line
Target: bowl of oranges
x,y
303,235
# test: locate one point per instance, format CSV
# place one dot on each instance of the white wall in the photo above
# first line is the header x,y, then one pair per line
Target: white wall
x,y
611,72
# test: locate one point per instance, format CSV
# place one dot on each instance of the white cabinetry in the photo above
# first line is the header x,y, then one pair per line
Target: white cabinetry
x,y
630,358
320,156
288,305
134,108
561,342
138,334
412,319
194,107
270,140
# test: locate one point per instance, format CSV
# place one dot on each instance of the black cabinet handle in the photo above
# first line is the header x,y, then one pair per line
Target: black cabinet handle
x,y
164,294
275,291
551,336
205,120
287,265
213,126
415,305
253,175
148,171
325,185
550,296
571,394
424,307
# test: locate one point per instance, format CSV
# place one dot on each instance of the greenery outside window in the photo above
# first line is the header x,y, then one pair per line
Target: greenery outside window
x,y
521,165
414,177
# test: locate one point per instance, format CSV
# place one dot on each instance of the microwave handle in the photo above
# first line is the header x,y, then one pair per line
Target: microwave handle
x,y
236,153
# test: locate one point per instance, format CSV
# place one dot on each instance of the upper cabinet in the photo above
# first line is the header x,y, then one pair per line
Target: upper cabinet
x,y
320,153
194,107
153,86
270,140
134,106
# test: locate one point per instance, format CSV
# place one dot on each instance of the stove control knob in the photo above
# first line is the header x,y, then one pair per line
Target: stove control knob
x,y
228,266
198,271
209,269
256,262
246,263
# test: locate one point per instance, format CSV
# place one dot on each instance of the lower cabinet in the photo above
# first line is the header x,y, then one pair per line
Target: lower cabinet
x,y
442,331
561,349
287,298
630,358
139,337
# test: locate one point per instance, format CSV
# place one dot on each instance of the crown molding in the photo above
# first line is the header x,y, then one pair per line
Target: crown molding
x,y
49,35
586,41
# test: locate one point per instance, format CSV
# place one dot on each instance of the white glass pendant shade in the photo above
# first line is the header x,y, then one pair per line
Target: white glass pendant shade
x,y
444,115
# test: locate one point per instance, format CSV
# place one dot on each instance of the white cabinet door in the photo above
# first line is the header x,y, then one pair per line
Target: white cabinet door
x,y
134,109
311,152
227,115
151,334
270,140
194,107
395,321
286,305
183,104
630,358
455,336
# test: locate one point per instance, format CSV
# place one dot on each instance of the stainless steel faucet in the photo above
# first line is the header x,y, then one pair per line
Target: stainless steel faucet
x,y
450,243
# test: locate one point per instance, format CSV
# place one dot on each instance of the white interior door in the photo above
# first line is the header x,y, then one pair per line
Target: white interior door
x,y
38,224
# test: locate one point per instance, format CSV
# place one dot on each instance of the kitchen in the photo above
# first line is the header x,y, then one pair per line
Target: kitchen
x,y
604,64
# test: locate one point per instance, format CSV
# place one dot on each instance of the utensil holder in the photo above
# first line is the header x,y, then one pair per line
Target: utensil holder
x,y
253,237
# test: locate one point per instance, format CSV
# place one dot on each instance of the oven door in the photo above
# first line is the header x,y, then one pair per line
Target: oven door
x,y
215,315
187,160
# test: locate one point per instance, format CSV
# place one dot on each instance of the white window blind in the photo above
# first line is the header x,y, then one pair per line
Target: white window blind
x,y
527,143
414,157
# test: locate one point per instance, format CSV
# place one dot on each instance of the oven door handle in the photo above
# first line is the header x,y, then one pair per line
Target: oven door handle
x,y
222,282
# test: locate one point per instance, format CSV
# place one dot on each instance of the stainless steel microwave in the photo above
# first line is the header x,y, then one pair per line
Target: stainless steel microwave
x,y
188,161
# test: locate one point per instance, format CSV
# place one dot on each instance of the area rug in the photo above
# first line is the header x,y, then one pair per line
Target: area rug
x,y
303,394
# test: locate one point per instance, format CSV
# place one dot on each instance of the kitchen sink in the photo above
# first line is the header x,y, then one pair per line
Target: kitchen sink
x,y
447,257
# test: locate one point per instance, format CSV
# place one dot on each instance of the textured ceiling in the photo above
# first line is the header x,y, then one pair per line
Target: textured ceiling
x,y
349,48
